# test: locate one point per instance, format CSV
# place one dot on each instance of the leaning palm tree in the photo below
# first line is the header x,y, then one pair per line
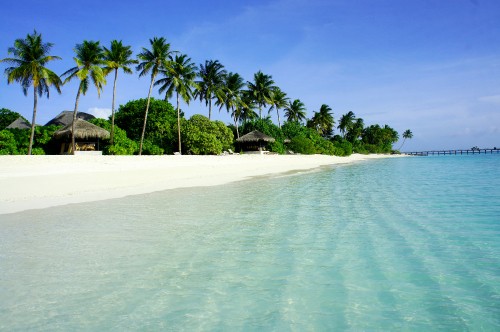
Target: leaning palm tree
x,y
118,56
179,77
407,134
211,83
346,122
28,68
278,100
261,90
295,111
153,61
233,87
88,59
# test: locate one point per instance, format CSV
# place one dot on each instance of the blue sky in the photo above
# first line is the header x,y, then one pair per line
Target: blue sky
x,y
432,66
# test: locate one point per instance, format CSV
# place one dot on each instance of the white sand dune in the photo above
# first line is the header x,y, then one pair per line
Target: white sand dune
x,y
32,182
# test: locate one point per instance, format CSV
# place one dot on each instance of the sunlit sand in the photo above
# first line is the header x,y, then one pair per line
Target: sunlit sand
x,y
32,182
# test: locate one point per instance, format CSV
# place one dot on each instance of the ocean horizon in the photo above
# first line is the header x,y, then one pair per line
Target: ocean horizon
x,y
388,244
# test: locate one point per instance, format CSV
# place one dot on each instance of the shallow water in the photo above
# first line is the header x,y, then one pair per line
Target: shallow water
x,y
405,243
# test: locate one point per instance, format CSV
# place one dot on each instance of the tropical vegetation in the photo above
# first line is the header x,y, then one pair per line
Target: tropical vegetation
x,y
89,59
30,55
154,126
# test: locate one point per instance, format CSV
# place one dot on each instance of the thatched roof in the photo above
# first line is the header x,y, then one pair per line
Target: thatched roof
x,y
19,123
66,117
83,130
255,137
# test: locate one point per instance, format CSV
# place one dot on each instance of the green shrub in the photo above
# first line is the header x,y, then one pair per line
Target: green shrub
x,y
302,145
122,144
202,136
161,127
8,143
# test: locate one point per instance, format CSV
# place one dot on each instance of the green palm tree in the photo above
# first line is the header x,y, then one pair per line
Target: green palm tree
x,y
355,131
28,68
233,87
346,122
179,77
323,120
118,56
88,59
246,111
278,100
261,90
211,83
153,61
295,111
407,134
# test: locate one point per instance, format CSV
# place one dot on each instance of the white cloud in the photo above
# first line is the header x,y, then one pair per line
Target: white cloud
x,y
495,99
102,113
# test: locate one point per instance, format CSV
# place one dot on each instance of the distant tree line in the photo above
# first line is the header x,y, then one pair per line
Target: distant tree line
x,y
150,126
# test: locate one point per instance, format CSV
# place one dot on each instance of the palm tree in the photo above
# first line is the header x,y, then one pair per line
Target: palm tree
x,y
211,83
153,61
346,122
295,111
355,130
278,100
407,134
179,77
115,58
246,111
28,68
233,87
323,121
88,59
261,90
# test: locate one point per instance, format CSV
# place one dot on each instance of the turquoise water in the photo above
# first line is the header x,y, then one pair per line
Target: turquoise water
x,y
393,244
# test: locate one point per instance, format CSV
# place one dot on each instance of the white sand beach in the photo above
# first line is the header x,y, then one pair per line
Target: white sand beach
x,y
33,182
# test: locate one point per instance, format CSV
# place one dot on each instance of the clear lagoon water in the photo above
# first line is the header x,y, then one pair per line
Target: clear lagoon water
x,y
392,244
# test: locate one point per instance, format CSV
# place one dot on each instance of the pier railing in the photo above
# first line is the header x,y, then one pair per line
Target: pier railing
x,y
453,152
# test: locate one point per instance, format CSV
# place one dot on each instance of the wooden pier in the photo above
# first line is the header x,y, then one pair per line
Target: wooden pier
x,y
453,152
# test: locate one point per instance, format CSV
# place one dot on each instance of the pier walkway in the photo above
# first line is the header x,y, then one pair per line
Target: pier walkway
x,y
453,152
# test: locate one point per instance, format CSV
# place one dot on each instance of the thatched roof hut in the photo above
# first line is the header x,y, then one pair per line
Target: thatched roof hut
x,y
83,130
255,137
19,123
66,117
254,141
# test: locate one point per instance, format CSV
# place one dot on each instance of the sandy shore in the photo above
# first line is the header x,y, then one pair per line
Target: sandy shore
x,y
32,182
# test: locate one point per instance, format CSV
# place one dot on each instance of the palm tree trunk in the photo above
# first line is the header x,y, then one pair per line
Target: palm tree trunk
x,y
236,125
402,144
209,109
278,113
32,136
146,114
75,113
179,122
113,109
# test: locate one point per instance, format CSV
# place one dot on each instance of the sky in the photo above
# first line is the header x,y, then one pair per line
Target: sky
x,y
431,66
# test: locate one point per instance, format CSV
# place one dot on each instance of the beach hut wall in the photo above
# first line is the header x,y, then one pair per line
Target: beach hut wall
x,y
83,130
255,137
19,123
66,117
